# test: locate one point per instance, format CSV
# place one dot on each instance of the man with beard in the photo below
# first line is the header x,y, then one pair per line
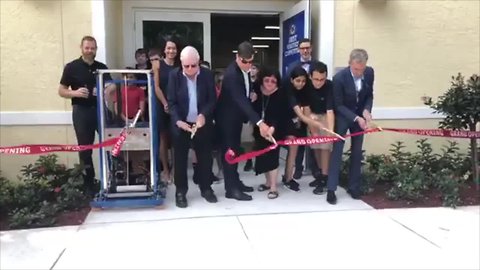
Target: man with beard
x,y
78,84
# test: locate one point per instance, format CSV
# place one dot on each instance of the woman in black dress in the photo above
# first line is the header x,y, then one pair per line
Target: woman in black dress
x,y
271,104
164,66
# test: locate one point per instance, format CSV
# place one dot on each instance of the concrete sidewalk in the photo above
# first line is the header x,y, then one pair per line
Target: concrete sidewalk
x,y
295,231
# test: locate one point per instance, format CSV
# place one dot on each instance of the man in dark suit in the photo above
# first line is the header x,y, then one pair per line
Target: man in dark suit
x,y
191,100
353,100
233,109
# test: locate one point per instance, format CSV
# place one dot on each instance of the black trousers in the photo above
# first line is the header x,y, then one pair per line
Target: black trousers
x,y
311,160
231,136
202,144
85,124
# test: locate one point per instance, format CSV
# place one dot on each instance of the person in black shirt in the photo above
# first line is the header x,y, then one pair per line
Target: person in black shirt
x,y
162,68
321,107
142,63
298,90
78,84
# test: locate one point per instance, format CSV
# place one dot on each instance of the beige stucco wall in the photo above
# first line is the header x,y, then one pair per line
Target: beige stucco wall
x,y
37,38
114,34
414,46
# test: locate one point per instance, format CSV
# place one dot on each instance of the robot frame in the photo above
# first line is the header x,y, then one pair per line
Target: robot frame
x,y
120,185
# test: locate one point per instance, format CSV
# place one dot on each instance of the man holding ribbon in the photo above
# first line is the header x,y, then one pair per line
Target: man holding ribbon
x,y
191,99
233,108
353,101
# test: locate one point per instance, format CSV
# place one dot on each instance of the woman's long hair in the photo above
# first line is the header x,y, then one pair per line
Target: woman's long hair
x,y
177,45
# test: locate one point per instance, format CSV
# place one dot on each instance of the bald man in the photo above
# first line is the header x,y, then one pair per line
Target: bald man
x,y
191,100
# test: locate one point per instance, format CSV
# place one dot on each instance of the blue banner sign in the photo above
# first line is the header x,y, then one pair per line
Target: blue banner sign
x,y
293,32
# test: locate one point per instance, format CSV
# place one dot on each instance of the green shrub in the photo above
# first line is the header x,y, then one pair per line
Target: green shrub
x,y
44,189
408,184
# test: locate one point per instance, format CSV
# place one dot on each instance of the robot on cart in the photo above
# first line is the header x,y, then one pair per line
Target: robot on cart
x,y
131,178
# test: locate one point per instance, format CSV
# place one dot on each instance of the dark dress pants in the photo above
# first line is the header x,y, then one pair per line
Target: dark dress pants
x,y
202,145
231,136
85,124
341,127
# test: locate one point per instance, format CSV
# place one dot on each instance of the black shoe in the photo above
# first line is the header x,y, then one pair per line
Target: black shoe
x,y
314,183
244,188
298,173
356,195
181,200
215,179
238,195
248,166
209,196
319,190
291,184
331,197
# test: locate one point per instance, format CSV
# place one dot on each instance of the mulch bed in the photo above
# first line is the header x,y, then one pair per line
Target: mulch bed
x,y
63,219
432,198
72,217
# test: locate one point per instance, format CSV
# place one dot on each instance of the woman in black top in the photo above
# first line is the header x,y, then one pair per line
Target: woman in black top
x,y
270,105
298,89
161,71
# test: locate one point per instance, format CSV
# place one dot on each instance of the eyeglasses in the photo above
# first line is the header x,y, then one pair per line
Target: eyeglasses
x,y
247,61
154,59
318,80
272,81
190,66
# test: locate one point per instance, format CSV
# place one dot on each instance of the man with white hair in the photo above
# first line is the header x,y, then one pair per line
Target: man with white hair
x,y
191,100
353,101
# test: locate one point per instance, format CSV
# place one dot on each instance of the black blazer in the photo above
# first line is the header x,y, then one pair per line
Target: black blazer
x,y
177,95
345,94
233,104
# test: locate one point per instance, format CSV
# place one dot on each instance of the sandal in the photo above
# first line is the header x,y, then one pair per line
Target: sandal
x,y
166,179
272,195
263,187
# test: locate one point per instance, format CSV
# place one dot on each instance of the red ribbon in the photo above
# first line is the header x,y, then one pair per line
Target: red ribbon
x,y
119,143
231,157
463,134
34,149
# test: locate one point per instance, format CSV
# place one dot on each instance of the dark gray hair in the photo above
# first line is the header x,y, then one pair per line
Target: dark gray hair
x,y
245,50
358,55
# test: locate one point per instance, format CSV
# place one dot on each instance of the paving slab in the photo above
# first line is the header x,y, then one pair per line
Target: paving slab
x,y
34,248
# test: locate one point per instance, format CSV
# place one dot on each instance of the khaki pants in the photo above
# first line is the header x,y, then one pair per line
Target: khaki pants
x,y
322,118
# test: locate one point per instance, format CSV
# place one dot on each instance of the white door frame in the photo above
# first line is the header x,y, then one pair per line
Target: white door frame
x,y
130,33
141,15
